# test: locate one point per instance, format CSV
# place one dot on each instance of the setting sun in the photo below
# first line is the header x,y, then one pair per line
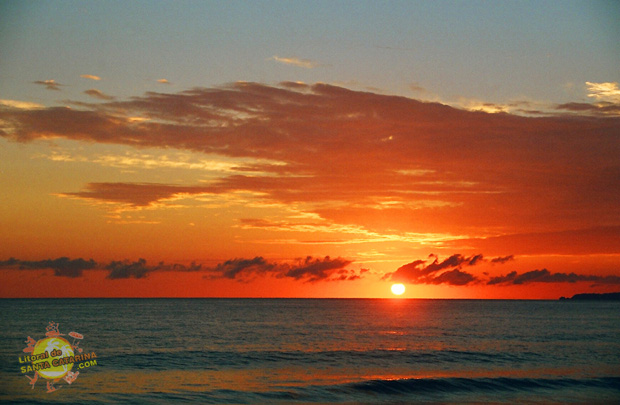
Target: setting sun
x,y
398,289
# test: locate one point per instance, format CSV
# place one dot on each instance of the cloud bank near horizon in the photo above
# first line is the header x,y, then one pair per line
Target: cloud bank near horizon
x,y
308,269
449,271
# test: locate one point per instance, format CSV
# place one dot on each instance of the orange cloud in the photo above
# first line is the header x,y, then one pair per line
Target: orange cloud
x,y
22,105
380,163
91,77
304,63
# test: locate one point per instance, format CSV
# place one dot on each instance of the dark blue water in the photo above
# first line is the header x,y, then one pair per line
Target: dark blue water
x,y
322,351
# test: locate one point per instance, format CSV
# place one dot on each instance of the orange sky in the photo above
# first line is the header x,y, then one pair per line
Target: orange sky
x,y
317,188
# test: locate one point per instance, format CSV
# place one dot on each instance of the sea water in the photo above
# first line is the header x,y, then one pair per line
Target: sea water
x,y
319,351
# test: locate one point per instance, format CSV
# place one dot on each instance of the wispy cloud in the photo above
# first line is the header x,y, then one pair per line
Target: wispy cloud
x,y
98,94
135,194
91,77
22,105
608,91
169,160
50,84
591,240
163,81
303,63
415,87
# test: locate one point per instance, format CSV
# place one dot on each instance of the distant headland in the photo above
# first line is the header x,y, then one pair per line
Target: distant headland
x,y
615,296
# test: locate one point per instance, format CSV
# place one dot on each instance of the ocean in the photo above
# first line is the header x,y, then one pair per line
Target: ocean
x,y
367,351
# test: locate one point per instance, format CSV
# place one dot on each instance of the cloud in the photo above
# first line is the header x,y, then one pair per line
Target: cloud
x,y
316,269
450,271
601,108
447,271
592,240
545,276
63,266
309,269
127,269
415,87
607,101
304,63
135,194
608,91
502,260
347,156
453,277
163,81
236,267
91,77
21,105
49,84
98,94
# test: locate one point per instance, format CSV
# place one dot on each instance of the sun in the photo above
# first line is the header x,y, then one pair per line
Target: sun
x,y
398,289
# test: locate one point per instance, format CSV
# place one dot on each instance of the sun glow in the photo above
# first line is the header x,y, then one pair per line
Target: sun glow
x,y
398,289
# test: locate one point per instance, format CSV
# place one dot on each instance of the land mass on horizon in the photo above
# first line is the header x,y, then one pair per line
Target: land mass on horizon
x,y
615,296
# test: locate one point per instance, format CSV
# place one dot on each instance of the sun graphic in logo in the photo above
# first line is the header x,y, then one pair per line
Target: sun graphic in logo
x,y
59,348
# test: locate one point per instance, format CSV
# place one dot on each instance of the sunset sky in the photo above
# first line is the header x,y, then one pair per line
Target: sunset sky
x,y
309,149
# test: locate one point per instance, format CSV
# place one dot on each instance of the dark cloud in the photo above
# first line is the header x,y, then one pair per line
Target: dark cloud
x,y
49,84
545,276
447,271
453,277
600,108
136,194
502,260
316,269
98,94
415,87
62,266
237,267
309,269
127,269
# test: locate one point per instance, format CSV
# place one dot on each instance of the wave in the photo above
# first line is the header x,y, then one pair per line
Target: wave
x,y
408,390
167,359
424,390
454,384
444,390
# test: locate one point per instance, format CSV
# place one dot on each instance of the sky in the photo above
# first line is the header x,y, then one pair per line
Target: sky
x,y
467,149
